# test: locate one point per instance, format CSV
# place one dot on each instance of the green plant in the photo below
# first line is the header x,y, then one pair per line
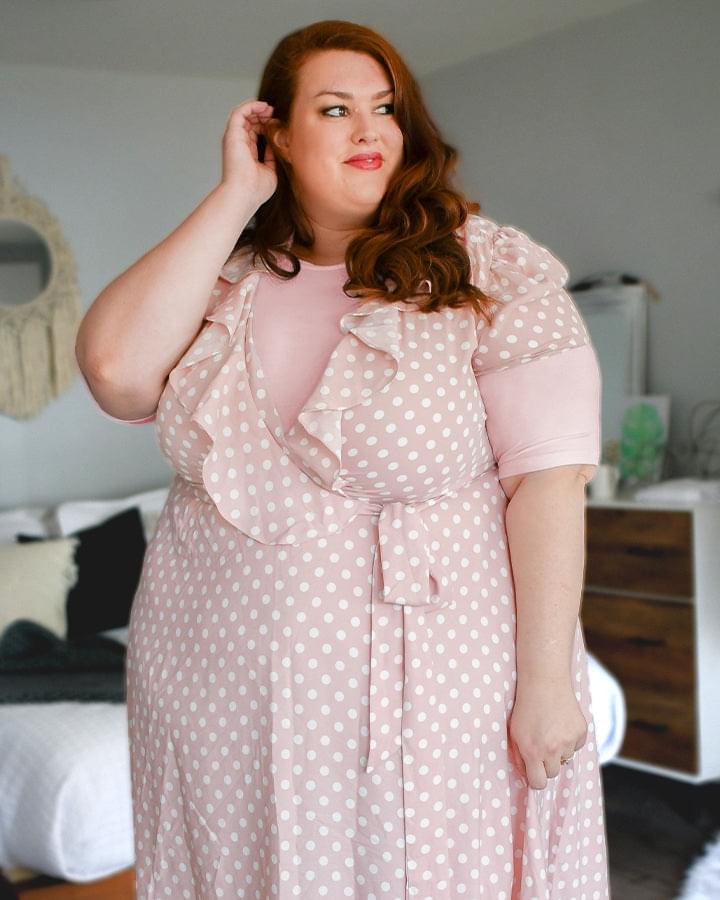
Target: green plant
x,y
611,452
642,443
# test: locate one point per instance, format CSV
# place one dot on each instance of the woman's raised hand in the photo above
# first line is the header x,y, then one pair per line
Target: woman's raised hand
x,y
241,165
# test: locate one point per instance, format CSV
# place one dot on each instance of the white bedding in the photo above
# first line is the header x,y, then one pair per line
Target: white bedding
x,y
65,779
65,788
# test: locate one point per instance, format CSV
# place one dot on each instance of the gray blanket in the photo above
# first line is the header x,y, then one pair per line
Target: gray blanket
x,y
37,666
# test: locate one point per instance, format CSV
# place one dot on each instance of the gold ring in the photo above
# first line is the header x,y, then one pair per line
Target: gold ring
x,y
563,760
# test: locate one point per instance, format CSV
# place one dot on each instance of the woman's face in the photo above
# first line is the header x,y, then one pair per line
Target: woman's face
x,y
326,131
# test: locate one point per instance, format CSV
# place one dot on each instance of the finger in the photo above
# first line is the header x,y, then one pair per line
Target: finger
x,y
251,135
537,776
516,758
269,158
259,124
242,130
552,766
259,118
252,129
248,110
258,112
248,106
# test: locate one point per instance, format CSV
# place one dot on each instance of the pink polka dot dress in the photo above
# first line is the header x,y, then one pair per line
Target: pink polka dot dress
x,y
321,658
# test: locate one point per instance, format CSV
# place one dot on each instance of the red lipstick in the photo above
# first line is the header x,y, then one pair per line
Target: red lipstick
x,y
365,161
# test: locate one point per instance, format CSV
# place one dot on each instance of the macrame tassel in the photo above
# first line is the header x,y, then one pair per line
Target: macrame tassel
x,y
37,356
35,365
11,378
64,331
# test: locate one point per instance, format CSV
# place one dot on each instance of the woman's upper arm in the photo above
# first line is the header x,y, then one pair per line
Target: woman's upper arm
x,y
511,483
145,407
129,421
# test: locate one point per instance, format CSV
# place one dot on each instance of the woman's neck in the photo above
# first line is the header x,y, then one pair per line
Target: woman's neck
x,y
329,258
329,246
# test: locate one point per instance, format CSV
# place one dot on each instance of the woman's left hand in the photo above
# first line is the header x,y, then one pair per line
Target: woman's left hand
x,y
546,724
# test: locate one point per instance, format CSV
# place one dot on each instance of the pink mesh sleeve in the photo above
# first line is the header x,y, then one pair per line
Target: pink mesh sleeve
x,y
545,413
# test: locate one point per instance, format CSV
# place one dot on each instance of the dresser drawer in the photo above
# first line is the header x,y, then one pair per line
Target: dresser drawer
x,y
648,645
644,550
660,731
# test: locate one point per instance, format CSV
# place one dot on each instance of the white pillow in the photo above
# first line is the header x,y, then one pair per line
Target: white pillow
x,y
121,635
36,578
149,520
77,514
32,520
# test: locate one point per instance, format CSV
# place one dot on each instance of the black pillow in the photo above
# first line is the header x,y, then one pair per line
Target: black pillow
x,y
109,560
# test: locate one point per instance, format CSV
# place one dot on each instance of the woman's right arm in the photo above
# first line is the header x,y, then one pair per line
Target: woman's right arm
x,y
140,324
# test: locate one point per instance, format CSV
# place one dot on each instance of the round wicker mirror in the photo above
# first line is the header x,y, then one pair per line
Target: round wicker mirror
x,y
39,303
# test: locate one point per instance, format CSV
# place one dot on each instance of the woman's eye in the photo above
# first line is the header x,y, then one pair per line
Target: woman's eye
x,y
330,110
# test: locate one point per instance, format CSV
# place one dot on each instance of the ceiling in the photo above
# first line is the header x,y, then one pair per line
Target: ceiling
x,y
231,39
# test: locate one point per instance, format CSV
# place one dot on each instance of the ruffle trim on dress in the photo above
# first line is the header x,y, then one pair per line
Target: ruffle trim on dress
x,y
194,376
527,283
351,378
376,323
214,384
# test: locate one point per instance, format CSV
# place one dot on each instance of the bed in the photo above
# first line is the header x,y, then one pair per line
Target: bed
x,y
64,765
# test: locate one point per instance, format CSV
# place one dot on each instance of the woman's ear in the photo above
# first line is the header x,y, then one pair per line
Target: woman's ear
x,y
278,137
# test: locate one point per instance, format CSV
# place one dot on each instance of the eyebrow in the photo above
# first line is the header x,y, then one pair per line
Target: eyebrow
x,y
346,96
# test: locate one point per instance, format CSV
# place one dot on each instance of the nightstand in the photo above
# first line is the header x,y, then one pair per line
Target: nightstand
x,y
651,616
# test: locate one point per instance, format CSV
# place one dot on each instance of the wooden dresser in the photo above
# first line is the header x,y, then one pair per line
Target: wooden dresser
x,y
651,616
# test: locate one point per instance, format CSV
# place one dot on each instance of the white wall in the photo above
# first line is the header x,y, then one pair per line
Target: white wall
x,y
120,160
601,141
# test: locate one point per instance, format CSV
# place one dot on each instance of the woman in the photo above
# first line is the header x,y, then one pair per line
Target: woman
x,y
355,665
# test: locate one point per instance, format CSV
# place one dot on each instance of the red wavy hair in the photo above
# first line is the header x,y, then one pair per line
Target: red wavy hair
x,y
412,235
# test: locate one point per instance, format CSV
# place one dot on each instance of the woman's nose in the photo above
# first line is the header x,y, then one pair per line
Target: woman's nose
x,y
364,129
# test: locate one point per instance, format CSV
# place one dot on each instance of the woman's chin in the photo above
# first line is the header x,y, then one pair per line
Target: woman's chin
x,y
366,202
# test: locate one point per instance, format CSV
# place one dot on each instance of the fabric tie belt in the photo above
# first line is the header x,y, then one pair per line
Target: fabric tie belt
x,y
405,572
